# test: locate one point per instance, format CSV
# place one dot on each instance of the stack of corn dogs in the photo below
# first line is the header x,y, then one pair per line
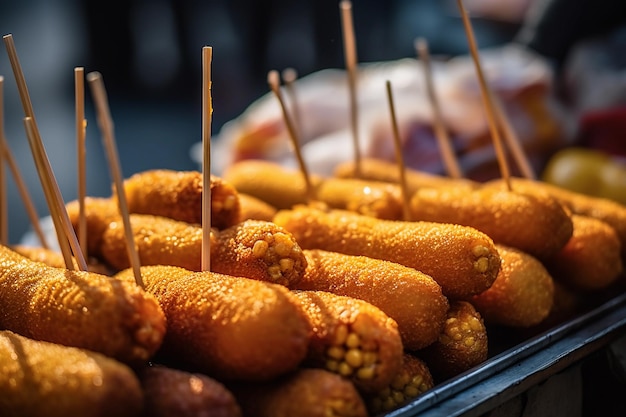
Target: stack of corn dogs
x,y
309,307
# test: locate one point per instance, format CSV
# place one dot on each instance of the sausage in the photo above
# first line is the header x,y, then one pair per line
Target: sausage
x,y
307,392
535,223
353,338
283,188
411,298
462,345
48,379
462,260
521,296
413,379
178,195
173,392
227,327
78,308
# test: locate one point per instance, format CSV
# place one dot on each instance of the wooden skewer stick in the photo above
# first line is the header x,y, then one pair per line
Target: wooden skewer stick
x,y
4,218
351,61
79,93
105,122
512,140
207,112
289,78
63,227
445,147
493,127
274,82
406,211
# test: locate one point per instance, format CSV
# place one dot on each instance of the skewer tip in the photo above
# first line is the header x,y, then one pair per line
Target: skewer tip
x,y
273,79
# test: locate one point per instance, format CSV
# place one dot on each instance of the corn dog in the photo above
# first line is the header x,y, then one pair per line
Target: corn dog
x,y
254,248
47,379
228,327
411,298
77,308
253,208
535,223
462,345
99,213
600,208
53,258
352,338
172,392
178,195
591,260
381,170
413,380
304,393
521,296
284,188
461,259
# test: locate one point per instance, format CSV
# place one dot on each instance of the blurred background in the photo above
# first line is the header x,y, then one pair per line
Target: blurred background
x,y
149,53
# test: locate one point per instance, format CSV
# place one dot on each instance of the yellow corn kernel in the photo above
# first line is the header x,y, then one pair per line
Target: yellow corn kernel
x,y
260,248
332,365
353,340
336,352
411,391
366,373
286,264
481,265
344,369
354,358
341,334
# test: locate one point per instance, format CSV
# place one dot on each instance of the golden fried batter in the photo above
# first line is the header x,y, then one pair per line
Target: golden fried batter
x,y
228,327
172,392
591,260
413,380
535,223
521,296
352,338
462,345
99,213
253,208
47,379
461,259
413,299
53,258
178,195
77,308
304,393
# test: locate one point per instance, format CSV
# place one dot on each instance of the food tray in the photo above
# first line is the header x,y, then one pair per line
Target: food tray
x,y
520,367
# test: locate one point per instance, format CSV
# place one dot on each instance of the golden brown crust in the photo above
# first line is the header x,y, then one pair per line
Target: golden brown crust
x,y
172,392
99,213
228,327
304,393
521,296
413,299
253,208
461,259
535,223
462,345
47,379
55,259
178,195
352,338
77,308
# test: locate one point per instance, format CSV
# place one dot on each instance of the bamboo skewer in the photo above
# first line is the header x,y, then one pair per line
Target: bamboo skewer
x,y
274,83
351,61
486,96
65,233
4,218
207,112
289,76
106,127
406,210
79,93
447,152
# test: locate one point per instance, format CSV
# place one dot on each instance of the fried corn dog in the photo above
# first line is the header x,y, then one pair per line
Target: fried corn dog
x,y
413,380
462,260
352,338
253,208
411,298
47,379
591,260
53,258
80,309
178,195
228,327
521,296
600,208
462,345
283,188
99,213
303,393
172,392
386,171
535,223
